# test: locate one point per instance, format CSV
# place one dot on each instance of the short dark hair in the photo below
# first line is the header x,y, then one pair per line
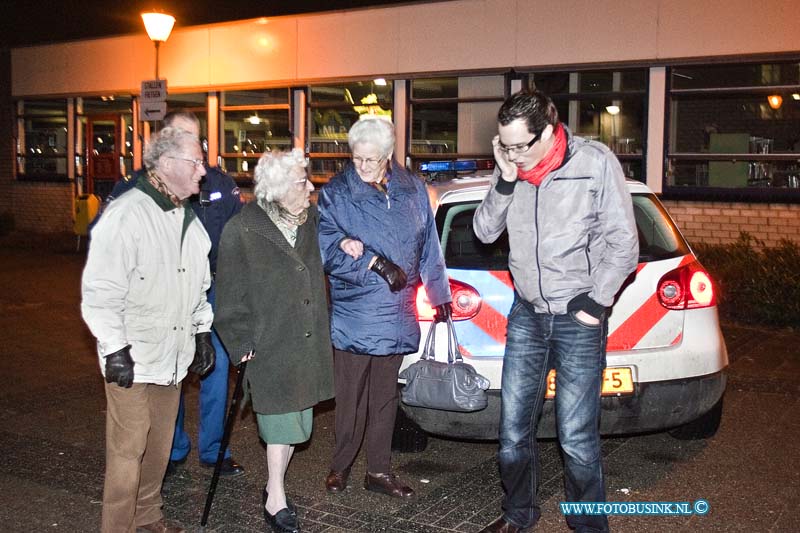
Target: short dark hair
x,y
534,107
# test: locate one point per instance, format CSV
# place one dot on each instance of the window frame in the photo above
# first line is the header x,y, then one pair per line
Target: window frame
x,y
21,157
612,96
416,158
757,194
245,178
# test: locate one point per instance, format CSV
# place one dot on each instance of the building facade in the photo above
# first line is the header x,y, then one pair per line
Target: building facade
x,y
701,100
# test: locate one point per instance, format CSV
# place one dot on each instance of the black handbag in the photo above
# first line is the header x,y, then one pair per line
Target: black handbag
x,y
450,386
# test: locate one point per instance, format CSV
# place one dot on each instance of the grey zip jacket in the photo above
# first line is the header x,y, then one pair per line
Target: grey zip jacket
x,y
573,238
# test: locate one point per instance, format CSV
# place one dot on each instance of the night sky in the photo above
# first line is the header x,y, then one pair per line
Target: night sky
x,y
45,21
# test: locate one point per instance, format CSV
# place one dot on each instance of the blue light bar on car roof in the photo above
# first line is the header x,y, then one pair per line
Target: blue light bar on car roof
x,y
456,165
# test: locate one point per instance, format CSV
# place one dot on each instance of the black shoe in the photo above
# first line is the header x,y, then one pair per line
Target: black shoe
x,y
172,467
229,467
265,495
282,522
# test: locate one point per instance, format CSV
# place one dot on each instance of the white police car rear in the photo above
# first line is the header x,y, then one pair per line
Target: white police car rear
x,y
665,354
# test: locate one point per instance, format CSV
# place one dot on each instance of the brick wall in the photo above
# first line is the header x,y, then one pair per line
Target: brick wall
x,y
43,207
36,207
721,222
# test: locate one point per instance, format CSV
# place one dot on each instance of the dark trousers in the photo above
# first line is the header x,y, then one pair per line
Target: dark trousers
x,y
366,406
213,400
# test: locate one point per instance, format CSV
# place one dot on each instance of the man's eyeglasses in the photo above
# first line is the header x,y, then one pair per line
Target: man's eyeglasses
x,y
520,148
301,182
196,162
368,163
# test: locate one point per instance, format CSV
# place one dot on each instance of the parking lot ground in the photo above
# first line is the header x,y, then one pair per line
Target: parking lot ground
x,y
52,437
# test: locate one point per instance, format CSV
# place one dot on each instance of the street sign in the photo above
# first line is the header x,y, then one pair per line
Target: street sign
x,y
152,111
153,91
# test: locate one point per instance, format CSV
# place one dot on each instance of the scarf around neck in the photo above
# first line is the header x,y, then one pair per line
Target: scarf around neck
x,y
551,161
161,187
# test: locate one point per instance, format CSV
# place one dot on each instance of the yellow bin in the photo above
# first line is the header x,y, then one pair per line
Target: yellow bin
x,y
86,206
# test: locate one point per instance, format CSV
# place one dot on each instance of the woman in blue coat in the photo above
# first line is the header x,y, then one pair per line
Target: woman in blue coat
x,y
378,241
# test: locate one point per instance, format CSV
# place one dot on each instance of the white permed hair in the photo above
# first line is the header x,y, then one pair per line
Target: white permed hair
x,y
373,129
271,176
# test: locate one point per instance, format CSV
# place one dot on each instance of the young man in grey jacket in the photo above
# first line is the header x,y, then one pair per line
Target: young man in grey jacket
x,y
573,241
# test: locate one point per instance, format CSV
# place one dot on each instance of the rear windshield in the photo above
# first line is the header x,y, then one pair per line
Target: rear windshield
x,y
658,237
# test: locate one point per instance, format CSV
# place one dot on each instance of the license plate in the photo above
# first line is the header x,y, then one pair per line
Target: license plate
x,y
617,381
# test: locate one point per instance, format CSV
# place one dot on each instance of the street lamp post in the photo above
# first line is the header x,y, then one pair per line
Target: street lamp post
x,y
158,26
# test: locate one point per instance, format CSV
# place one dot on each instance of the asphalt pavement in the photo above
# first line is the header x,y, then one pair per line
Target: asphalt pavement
x,y
52,437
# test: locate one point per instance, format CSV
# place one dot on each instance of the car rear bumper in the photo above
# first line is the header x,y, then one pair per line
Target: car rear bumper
x,y
655,406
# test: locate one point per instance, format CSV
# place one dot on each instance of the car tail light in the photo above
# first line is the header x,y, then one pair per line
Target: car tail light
x,y
686,287
466,302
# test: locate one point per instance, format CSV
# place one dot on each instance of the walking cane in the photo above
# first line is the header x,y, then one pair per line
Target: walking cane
x,y
226,437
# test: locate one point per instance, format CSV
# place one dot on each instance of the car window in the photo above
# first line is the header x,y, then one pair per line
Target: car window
x,y
658,237
461,247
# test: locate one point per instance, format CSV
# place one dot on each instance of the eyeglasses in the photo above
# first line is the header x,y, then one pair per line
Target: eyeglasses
x,y
196,162
368,163
302,181
520,148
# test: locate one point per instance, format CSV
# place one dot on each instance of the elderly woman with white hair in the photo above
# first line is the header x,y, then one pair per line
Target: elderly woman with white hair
x,y
272,310
379,243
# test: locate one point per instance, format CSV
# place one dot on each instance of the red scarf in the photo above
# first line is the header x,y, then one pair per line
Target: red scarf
x,y
549,162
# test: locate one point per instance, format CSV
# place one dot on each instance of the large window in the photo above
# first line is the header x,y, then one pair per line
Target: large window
x,y
606,106
733,130
332,109
251,123
42,139
454,118
197,103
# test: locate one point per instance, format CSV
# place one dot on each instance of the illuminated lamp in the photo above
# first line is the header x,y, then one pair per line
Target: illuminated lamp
x,y
158,26
775,101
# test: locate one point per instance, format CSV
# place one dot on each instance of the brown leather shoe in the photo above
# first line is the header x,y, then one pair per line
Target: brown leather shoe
x,y
388,484
337,481
501,526
160,526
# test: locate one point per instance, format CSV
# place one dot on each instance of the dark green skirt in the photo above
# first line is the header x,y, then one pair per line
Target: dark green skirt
x,y
286,428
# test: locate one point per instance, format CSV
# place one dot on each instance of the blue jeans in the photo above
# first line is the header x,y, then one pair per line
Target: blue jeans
x,y
537,342
213,400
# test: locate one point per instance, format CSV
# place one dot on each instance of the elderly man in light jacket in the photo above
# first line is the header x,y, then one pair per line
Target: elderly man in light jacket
x,y
144,299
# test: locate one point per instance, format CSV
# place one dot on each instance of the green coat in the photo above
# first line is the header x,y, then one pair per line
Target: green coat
x,y
272,298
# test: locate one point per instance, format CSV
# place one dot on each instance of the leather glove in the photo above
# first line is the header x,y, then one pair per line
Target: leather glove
x,y
392,273
204,355
443,312
119,367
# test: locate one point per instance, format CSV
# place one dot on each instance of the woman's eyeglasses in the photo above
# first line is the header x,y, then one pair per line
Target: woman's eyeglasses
x,y
519,149
368,163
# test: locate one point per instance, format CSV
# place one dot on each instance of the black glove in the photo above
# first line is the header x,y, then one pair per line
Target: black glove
x,y
392,273
119,367
443,312
204,355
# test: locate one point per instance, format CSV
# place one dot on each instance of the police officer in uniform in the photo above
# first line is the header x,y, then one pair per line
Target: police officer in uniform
x,y
217,202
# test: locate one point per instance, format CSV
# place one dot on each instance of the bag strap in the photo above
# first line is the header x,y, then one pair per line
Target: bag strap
x,y
429,349
453,350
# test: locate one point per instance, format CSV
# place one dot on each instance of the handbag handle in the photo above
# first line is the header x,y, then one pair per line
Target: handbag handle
x,y
453,350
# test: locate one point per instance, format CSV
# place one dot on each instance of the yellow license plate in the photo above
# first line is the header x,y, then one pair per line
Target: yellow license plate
x,y
616,382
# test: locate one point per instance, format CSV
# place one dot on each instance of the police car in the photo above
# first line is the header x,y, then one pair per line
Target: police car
x,y
665,355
